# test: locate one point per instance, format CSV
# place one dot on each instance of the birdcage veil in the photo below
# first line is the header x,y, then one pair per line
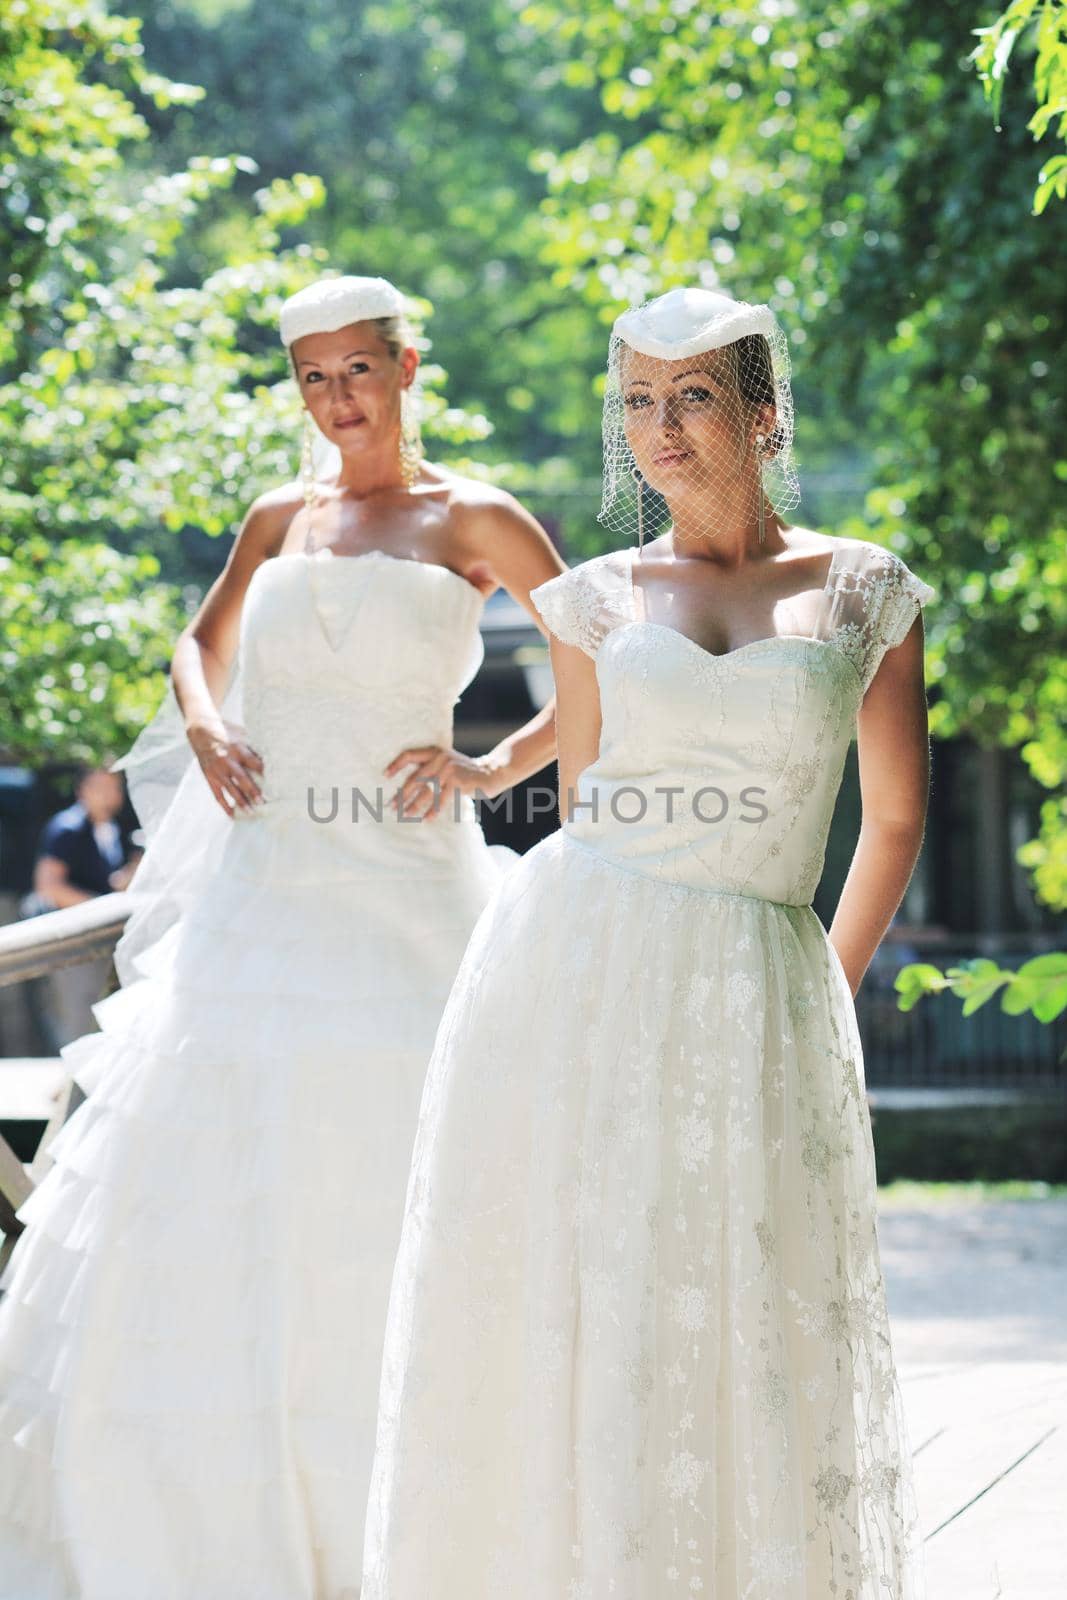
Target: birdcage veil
x,y
697,408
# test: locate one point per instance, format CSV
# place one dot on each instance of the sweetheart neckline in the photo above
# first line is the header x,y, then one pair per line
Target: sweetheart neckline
x,y
724,655
728,655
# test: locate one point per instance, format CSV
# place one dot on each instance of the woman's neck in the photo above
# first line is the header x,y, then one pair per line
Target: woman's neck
x,y
727,535
367,474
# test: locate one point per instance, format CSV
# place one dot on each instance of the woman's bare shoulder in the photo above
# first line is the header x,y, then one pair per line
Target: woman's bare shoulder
x,y
470,494
269,516
491,527
810,542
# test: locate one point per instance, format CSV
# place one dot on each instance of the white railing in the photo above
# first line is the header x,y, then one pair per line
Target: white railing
x,y
31,949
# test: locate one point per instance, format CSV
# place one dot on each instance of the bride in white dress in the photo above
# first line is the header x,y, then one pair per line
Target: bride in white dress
x,y
637,1342
190,1337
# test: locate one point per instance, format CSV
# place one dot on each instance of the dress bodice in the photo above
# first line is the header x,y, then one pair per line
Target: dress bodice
x,y
346,661
721,771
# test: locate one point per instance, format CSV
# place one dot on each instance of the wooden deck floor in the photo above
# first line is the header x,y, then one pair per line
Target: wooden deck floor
x,y
978,1298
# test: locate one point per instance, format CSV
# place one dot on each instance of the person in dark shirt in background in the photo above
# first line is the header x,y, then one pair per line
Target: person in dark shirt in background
x,y
83,851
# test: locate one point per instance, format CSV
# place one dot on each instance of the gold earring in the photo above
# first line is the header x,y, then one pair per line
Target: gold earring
x,y
307,464
307,480
411,452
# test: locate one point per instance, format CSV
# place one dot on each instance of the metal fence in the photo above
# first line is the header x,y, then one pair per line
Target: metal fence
x,y
932,1046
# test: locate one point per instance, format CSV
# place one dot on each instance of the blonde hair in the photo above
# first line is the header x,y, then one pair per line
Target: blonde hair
x,y
396,333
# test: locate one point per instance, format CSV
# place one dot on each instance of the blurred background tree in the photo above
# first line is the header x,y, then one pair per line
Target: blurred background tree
x,y
421,120
1042,23
138,401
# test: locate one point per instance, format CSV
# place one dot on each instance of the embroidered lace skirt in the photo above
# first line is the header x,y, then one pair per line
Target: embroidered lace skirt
x,y
637,1343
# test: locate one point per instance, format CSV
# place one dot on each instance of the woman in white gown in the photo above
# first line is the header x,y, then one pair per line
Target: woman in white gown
x,y
637,1342
190,1338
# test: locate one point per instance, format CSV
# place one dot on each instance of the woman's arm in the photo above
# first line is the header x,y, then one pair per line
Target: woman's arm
x,y
894,770
578,718
204,653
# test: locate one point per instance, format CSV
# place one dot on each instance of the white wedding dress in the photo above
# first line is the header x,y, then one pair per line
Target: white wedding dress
x,y
191,1334
637,1342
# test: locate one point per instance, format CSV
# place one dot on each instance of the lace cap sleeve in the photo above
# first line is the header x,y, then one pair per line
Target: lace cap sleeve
x,y
905,594
879,600
582,606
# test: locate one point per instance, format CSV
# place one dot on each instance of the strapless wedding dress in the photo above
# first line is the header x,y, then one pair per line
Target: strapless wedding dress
x,y
191,1332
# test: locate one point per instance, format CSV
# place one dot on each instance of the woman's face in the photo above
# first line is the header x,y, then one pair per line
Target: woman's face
x,y
687,424
351,384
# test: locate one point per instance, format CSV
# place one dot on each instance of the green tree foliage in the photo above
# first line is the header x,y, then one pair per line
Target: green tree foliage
x,y
1039,986
1044,24
422,120
69,685
67,71
132,405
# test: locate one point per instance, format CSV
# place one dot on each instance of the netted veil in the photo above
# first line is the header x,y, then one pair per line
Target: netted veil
x,y
184,826
697,405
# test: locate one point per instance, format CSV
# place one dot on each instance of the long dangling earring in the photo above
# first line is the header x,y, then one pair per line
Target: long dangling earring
x,y
760,441
411,453
635,473
307,478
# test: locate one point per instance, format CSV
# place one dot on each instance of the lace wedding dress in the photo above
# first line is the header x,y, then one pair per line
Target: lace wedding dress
x,y
637,1342
191,1334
